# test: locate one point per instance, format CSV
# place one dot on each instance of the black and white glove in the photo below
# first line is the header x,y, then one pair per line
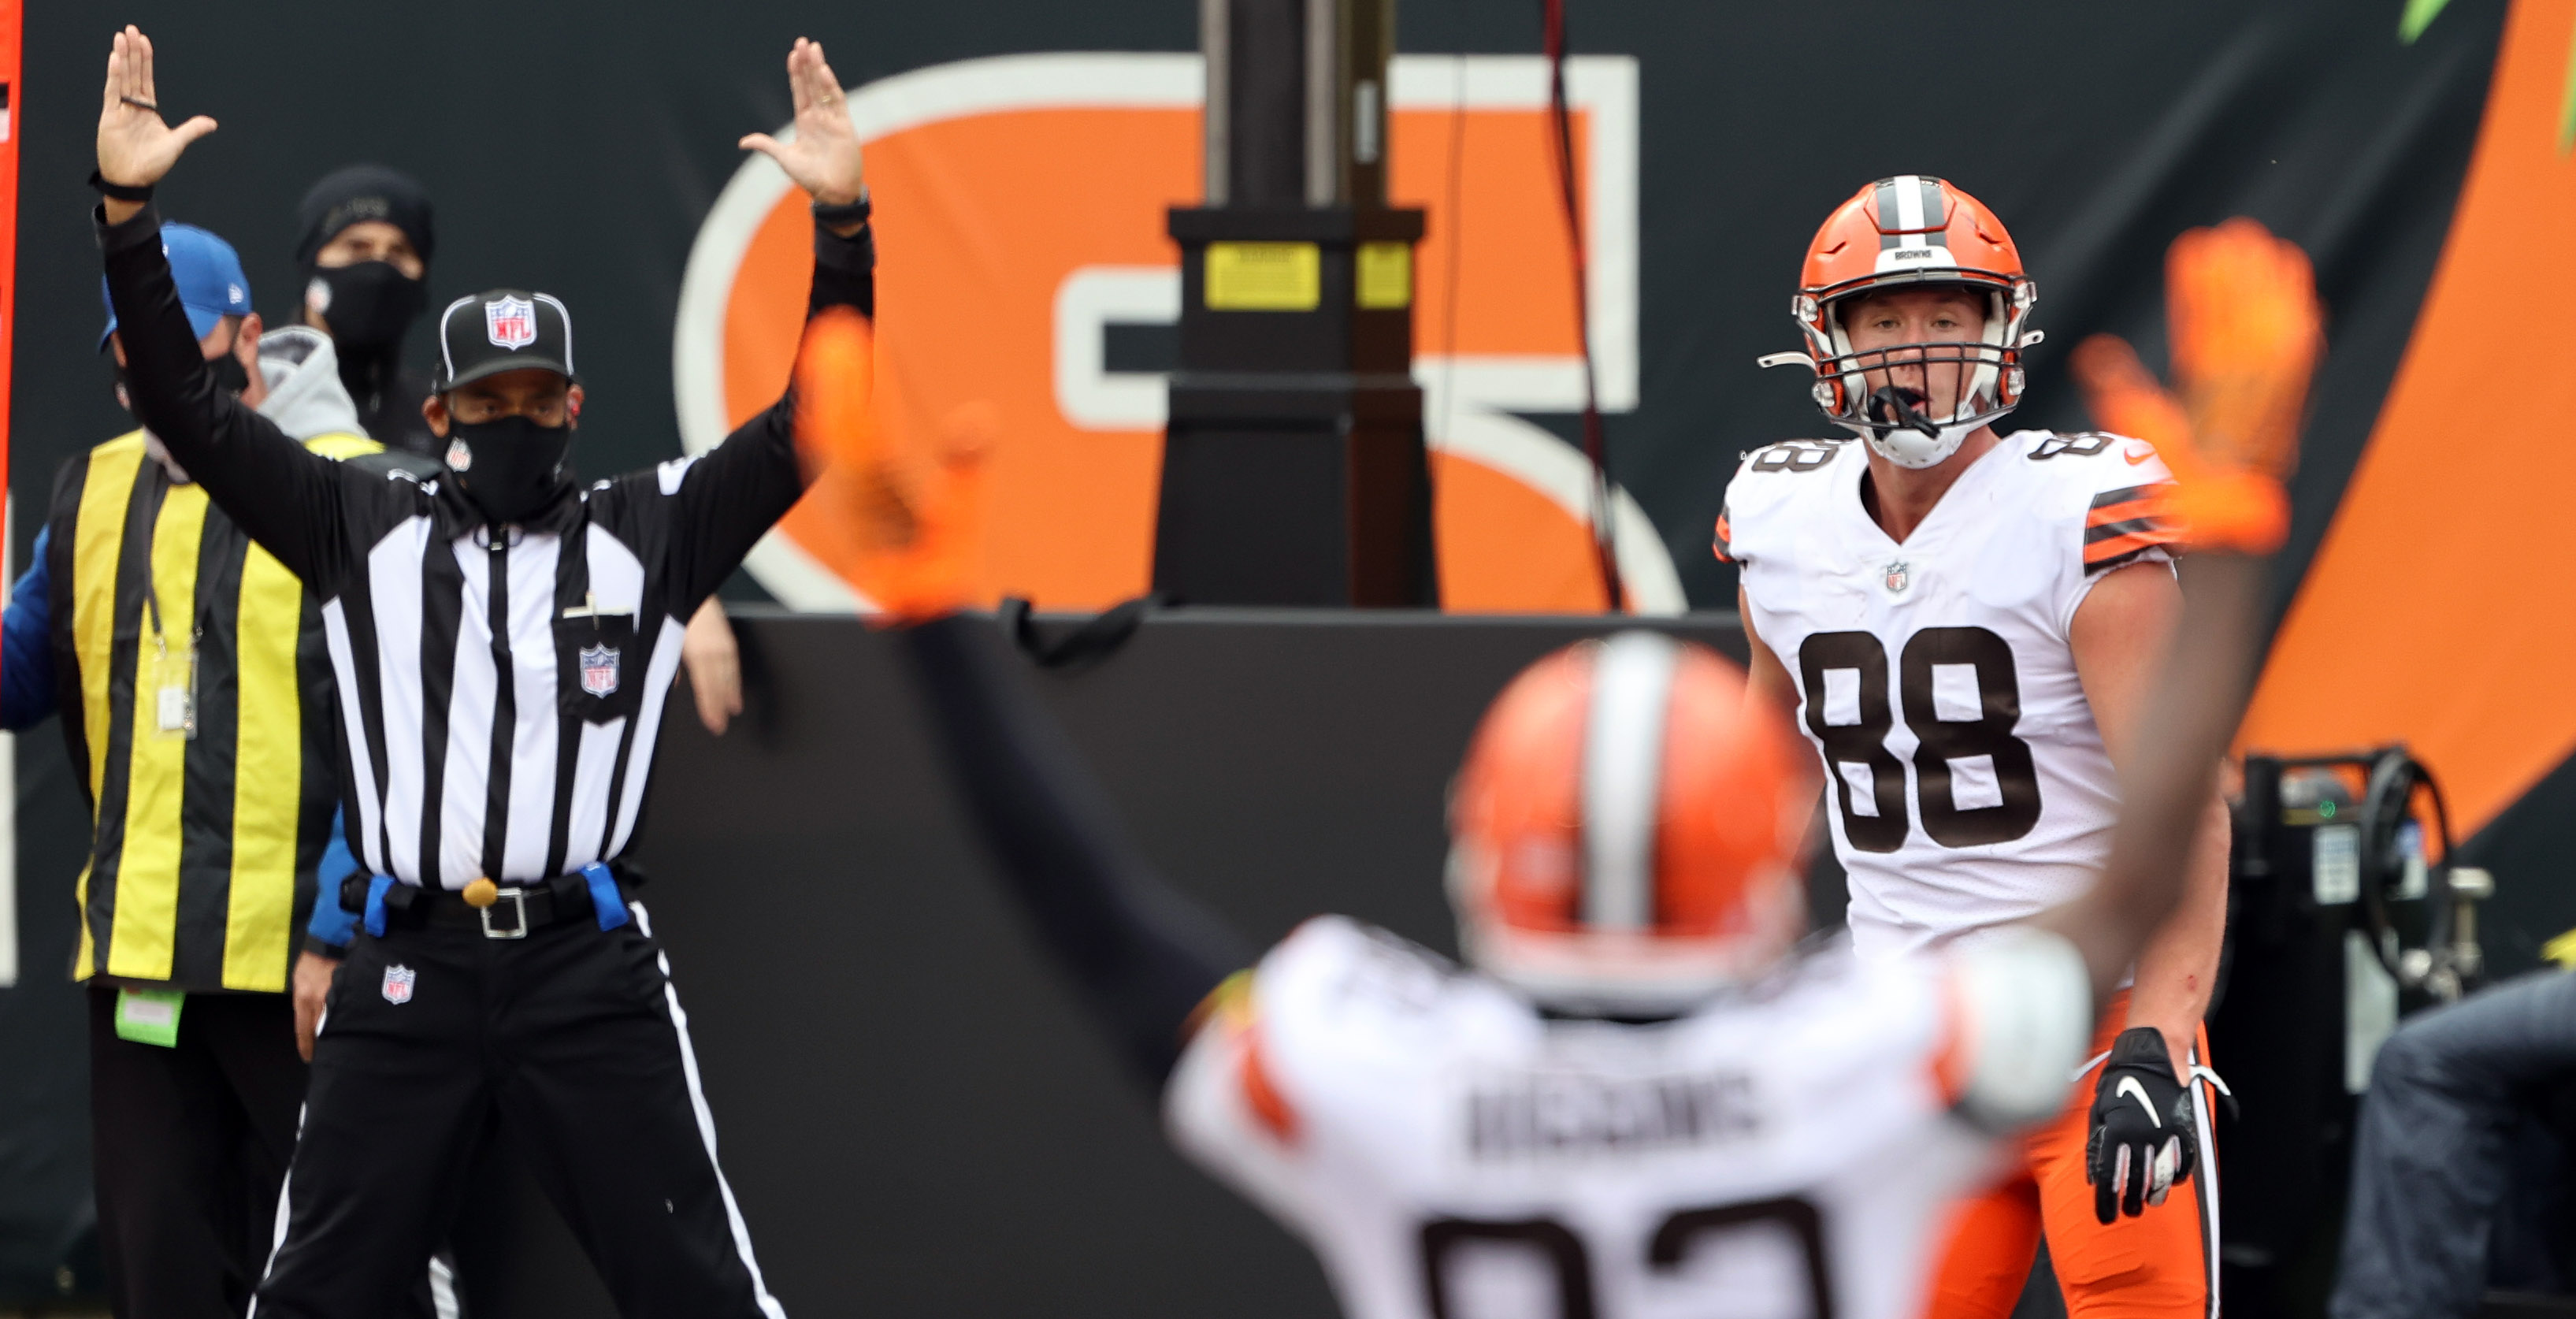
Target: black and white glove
x,y
2142,1127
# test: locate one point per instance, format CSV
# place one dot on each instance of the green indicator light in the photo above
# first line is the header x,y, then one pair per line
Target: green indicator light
x,y
2325,809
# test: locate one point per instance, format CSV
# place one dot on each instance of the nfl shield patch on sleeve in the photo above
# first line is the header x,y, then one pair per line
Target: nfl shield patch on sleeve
x,y
398,982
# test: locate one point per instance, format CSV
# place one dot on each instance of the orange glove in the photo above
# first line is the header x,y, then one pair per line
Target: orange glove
x,y
912,523
836,366
2243,321
922,525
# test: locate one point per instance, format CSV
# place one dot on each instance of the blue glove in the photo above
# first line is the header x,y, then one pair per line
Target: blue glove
x,y
333,925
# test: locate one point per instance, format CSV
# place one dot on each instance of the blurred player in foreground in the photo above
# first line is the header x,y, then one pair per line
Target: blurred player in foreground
x,y
1968,626
1640,1078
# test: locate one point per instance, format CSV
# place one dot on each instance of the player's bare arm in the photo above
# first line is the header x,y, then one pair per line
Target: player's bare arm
x,y
2190,703
1767,680
2245,332
2244,325
2119,635
1145,956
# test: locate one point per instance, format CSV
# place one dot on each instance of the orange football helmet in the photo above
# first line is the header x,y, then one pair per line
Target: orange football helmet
x,y
1627,833
1912,230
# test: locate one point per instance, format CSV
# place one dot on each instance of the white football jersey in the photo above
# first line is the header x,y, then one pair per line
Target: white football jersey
x,y
1451,1153
1966,779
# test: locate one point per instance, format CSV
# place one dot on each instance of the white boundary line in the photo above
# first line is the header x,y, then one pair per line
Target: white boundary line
x,y
1604,86
741,1231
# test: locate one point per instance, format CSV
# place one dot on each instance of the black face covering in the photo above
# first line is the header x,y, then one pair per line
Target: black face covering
x,y
511,467
367,305
230,375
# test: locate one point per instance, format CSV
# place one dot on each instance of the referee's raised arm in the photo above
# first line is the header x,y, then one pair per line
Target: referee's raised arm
x,y
273,487
733,494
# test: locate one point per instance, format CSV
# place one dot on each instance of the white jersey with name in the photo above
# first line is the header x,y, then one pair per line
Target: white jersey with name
x,y
1967,782
1451,1153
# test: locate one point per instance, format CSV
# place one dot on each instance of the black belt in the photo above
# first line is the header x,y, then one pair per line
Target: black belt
x,y
519,908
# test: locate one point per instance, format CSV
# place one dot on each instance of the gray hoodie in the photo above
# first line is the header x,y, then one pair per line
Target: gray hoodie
x,y
305,396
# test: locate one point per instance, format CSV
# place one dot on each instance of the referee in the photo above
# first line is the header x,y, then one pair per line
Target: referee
x,y
503,643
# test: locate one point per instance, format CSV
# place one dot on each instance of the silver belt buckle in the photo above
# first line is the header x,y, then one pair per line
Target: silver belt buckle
x,y
518,899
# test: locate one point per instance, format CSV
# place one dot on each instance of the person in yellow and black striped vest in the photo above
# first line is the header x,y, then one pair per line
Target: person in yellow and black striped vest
x,y
190,672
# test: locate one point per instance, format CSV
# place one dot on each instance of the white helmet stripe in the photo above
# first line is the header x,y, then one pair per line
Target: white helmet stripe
x,y
1623,764
1910,215
1909,202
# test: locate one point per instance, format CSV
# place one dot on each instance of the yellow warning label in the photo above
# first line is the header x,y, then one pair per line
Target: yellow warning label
x,y
1386,276
2561,950
1264,277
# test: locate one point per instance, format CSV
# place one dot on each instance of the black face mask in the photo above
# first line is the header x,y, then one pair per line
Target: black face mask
x,y
367,305
511,467
231,377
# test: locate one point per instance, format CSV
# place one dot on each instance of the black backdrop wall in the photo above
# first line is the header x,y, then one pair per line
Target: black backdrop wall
x,y
577,144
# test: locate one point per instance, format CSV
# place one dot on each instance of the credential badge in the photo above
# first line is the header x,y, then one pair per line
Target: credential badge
x,y
599,670
1899,574
511,322
398,982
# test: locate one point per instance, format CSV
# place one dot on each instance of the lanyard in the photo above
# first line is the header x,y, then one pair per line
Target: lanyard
x,y
173,679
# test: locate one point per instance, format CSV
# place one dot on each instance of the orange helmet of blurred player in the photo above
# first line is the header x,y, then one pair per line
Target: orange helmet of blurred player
x,y
1912,231
1627,833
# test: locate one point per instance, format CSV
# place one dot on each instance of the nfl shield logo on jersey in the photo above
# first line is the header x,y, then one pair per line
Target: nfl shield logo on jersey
x,y
599,670
511,322
398,982
1899,575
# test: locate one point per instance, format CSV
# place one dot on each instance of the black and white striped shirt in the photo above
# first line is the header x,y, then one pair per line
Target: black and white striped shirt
x,y
500,691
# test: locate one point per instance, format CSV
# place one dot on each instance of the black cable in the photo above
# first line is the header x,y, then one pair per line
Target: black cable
x,y
1561,139
1453,212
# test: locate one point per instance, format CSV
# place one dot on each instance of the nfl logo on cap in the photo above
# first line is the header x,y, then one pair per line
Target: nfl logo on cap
x,y
398,982
511,322
521,331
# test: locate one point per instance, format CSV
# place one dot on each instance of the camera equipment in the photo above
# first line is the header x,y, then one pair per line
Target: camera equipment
x,y
2345,906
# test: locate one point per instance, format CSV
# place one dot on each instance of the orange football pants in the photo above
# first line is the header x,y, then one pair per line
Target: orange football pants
x,y
2161,1265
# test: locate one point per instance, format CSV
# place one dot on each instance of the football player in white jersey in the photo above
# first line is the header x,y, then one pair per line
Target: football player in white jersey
x,y
1641,1100
1965,625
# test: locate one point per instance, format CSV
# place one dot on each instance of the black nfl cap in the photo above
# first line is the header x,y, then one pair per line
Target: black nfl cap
x,y
503,330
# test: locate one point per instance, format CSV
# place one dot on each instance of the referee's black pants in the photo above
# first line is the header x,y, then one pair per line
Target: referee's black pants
x,y
574,1038
189,1145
